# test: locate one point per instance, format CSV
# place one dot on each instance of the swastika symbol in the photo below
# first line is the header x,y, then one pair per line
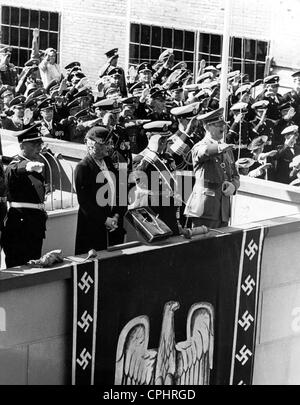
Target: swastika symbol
x,y
84,360
243,355
85,282
248,285
85,321
246,321
251,249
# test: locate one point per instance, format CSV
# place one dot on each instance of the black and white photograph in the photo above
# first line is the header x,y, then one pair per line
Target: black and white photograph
x,y
149,195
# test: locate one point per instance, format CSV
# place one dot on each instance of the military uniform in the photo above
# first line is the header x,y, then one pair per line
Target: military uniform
x,y
156,166
213,166
25,226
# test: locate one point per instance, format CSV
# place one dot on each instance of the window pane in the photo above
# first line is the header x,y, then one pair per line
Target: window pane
x,y
154,54
145,54
15,14
189,39
5,15
133,51
188,56
216,44
178,39
5,35
156,36
262,50
203,56
190,66
167,38
237,47
24,38
249,49
53,41
260,69
34,19
135,33
24,17
249,69
214,60
23,56
15,56
237,65
178,56
53,21
14,36
43,40
145,35
44,20
204,43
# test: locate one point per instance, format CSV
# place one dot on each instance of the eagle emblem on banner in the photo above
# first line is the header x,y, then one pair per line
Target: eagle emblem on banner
x,y
184,363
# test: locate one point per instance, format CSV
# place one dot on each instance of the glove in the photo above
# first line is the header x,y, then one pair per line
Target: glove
x,y
55,256
34,167
112,223
228,188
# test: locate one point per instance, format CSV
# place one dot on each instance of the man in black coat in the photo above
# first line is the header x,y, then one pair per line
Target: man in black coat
x,y
25,226
99,218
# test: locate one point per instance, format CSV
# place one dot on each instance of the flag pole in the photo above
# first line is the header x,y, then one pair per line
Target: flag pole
x,y
225,55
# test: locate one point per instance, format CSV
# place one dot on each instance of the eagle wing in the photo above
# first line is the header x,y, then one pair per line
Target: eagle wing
x,y
195,355
134,362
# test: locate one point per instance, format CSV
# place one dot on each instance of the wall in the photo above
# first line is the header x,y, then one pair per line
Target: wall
x,y
35,340
34,347
278,334
90,28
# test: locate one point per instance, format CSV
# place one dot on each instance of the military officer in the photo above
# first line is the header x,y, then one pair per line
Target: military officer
x,y
25,227
216,176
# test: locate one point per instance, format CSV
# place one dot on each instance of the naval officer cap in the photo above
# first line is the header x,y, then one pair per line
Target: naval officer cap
x,y
144,67
290,130
17,102
212,117
258,142
245,162
185,111
211,69
32,62
272,79
239,107
245,88
46,104
31,134
72,65
107,104
160,127
260,105
112,53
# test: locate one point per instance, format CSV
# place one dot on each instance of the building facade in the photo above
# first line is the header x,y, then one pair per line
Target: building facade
x,y
84,30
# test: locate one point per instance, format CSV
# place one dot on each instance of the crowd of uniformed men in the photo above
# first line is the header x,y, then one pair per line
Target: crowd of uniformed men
x,y
152,118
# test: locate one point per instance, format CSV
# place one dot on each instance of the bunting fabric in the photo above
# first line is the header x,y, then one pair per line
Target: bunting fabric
x,y
182,314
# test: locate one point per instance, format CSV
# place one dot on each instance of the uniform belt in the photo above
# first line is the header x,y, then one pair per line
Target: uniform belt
x,y
27,205
211,185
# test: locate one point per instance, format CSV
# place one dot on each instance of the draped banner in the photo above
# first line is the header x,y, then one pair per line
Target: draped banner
x,y
182,314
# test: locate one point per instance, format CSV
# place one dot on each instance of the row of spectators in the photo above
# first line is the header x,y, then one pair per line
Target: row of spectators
x,y
260,121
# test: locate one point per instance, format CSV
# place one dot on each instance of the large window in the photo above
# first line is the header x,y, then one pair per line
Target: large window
x,y
17,25
248,56
147,42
